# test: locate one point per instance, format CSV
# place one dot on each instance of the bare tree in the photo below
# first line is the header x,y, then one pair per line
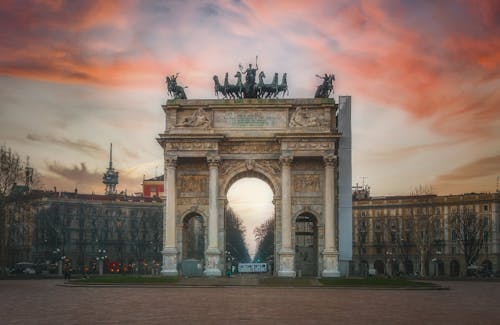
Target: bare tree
x,y
12,172
427,238
469,229
404,243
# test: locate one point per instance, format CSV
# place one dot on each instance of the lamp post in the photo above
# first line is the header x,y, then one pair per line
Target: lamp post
x,y
389,259
58,256
436,260
101,256
229,263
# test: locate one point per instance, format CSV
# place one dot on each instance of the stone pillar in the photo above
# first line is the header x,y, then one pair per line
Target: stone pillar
x,y
330,253
213,252
169,267
286,267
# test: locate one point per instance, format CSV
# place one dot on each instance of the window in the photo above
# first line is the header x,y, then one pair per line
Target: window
x,y
454,235
485,208
485,221
486,237
453,251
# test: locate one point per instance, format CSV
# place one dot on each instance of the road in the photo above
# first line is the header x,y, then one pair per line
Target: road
x,y
44,302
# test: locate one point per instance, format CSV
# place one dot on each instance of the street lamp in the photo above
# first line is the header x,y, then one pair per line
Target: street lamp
x,y
436,260
390,261
101,256
59,257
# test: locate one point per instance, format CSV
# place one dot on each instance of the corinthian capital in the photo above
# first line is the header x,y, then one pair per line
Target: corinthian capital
x,y
170,161
286,160
213,160
330,159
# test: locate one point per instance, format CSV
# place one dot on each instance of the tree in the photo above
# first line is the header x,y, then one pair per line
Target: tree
x,y
428,236
12,172
235,234
264,235
469,231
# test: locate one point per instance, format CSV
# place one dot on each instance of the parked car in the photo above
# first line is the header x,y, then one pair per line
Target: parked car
x,y
27,268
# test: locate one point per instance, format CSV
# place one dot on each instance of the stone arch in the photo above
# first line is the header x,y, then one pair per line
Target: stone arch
x,y
193,236
306,244
243,172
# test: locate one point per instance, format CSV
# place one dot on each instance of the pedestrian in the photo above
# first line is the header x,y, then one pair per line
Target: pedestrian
x,y
67,271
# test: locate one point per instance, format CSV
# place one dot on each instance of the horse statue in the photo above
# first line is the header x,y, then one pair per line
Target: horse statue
x,y
270,90
219,88
235,91
326,88
283,87
260,85
175,90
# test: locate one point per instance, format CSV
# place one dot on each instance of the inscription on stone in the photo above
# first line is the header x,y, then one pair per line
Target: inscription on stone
x,y
250,119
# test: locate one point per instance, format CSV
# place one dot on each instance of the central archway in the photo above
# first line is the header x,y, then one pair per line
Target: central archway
x,y
249,197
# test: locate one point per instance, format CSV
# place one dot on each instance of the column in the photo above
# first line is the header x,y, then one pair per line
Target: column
x,y
169,267
213,252
286,267
330,253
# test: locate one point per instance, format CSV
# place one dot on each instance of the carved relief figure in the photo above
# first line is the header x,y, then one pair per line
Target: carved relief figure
x,y
198,119
193,183
307,183
303,118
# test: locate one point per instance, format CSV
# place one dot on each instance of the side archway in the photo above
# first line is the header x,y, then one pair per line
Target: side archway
x,y
306,245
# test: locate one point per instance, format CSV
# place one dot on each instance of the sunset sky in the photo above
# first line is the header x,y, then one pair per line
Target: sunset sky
x,y
424,77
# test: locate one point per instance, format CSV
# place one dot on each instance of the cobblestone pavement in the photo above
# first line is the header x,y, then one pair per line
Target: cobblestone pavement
x,y
43,302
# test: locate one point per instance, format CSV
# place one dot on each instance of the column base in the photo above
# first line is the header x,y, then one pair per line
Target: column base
x,y
212,265
330,264
286,269
169,265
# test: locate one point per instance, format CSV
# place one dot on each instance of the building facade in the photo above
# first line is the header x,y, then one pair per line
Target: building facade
x,y
426,235
154,187
42,227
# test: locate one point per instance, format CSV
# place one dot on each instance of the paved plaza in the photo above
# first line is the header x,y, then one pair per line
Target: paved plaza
x,y
44,302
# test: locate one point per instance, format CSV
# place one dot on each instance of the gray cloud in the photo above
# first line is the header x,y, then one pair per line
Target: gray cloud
x,y
80,145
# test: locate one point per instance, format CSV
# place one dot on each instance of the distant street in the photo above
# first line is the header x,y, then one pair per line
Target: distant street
x,y
42,302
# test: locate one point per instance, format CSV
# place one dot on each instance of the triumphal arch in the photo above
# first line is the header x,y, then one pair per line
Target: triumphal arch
x,y
292,144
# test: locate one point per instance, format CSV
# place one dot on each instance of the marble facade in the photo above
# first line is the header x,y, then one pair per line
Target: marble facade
x,y
292,144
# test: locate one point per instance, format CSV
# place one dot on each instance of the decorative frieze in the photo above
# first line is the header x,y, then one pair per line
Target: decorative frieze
x,y
249,147
305,118
308,146
306,183
193,183
191,146
198,119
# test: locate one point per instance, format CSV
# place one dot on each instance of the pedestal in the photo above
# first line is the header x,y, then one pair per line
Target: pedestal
x,y
286,269
169,267
330,264
212,264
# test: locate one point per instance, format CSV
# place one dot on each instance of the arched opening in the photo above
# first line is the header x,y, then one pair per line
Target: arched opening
x,y
193,245
249,222
454,268
379,267
306,245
